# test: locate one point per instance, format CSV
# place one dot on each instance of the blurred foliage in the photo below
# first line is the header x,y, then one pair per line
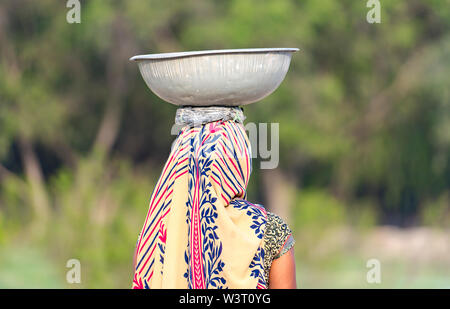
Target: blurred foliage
x,y
28,268
364,117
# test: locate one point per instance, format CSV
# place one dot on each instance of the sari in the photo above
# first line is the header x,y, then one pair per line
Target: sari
x,y
200,231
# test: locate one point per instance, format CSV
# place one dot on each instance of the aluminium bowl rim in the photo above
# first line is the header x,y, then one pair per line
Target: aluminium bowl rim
x,y
176,55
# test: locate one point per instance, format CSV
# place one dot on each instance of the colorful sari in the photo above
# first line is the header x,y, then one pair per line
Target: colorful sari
x,y
200,232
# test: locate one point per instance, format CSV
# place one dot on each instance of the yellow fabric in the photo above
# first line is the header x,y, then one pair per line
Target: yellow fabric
x,y
200,232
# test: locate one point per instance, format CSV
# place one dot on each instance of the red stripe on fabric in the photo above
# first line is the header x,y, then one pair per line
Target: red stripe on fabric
x,y
165,214
146,261
214,179
238,183
247,165
154,245
203,141
240,149
181,174
261,287
161,196
225,199
234,165
196,262
234,137
183,160
258,206
224,178
149,235
241,130
155,225
150,211
225,135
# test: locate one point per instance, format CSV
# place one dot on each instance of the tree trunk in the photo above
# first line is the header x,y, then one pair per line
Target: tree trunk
x,y
33,173
279,193
122,48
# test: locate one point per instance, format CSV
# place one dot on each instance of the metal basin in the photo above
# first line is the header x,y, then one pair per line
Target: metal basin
x,y
228,77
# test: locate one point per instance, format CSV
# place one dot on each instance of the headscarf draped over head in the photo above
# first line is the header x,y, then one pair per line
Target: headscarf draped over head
x,y
200,232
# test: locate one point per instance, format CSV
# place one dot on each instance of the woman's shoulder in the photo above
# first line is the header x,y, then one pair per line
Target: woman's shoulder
x,y
274,219
278,235
276,225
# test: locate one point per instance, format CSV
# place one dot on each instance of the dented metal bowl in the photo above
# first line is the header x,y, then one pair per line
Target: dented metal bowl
x,y
228,77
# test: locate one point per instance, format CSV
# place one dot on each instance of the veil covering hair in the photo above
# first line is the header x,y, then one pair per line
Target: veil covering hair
x,y
200,232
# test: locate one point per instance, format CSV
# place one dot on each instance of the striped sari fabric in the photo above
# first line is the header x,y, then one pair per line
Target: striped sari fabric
x,y
200,232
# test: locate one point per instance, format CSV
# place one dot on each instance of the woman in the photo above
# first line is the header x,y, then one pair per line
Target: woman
x,y
200,232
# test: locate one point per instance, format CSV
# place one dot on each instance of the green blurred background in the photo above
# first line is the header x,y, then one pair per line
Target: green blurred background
x,y
364,116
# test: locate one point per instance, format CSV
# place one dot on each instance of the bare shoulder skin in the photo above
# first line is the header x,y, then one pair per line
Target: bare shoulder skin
x,y
282,272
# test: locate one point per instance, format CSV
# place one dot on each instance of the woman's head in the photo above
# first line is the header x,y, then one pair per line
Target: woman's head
x,y
223,150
